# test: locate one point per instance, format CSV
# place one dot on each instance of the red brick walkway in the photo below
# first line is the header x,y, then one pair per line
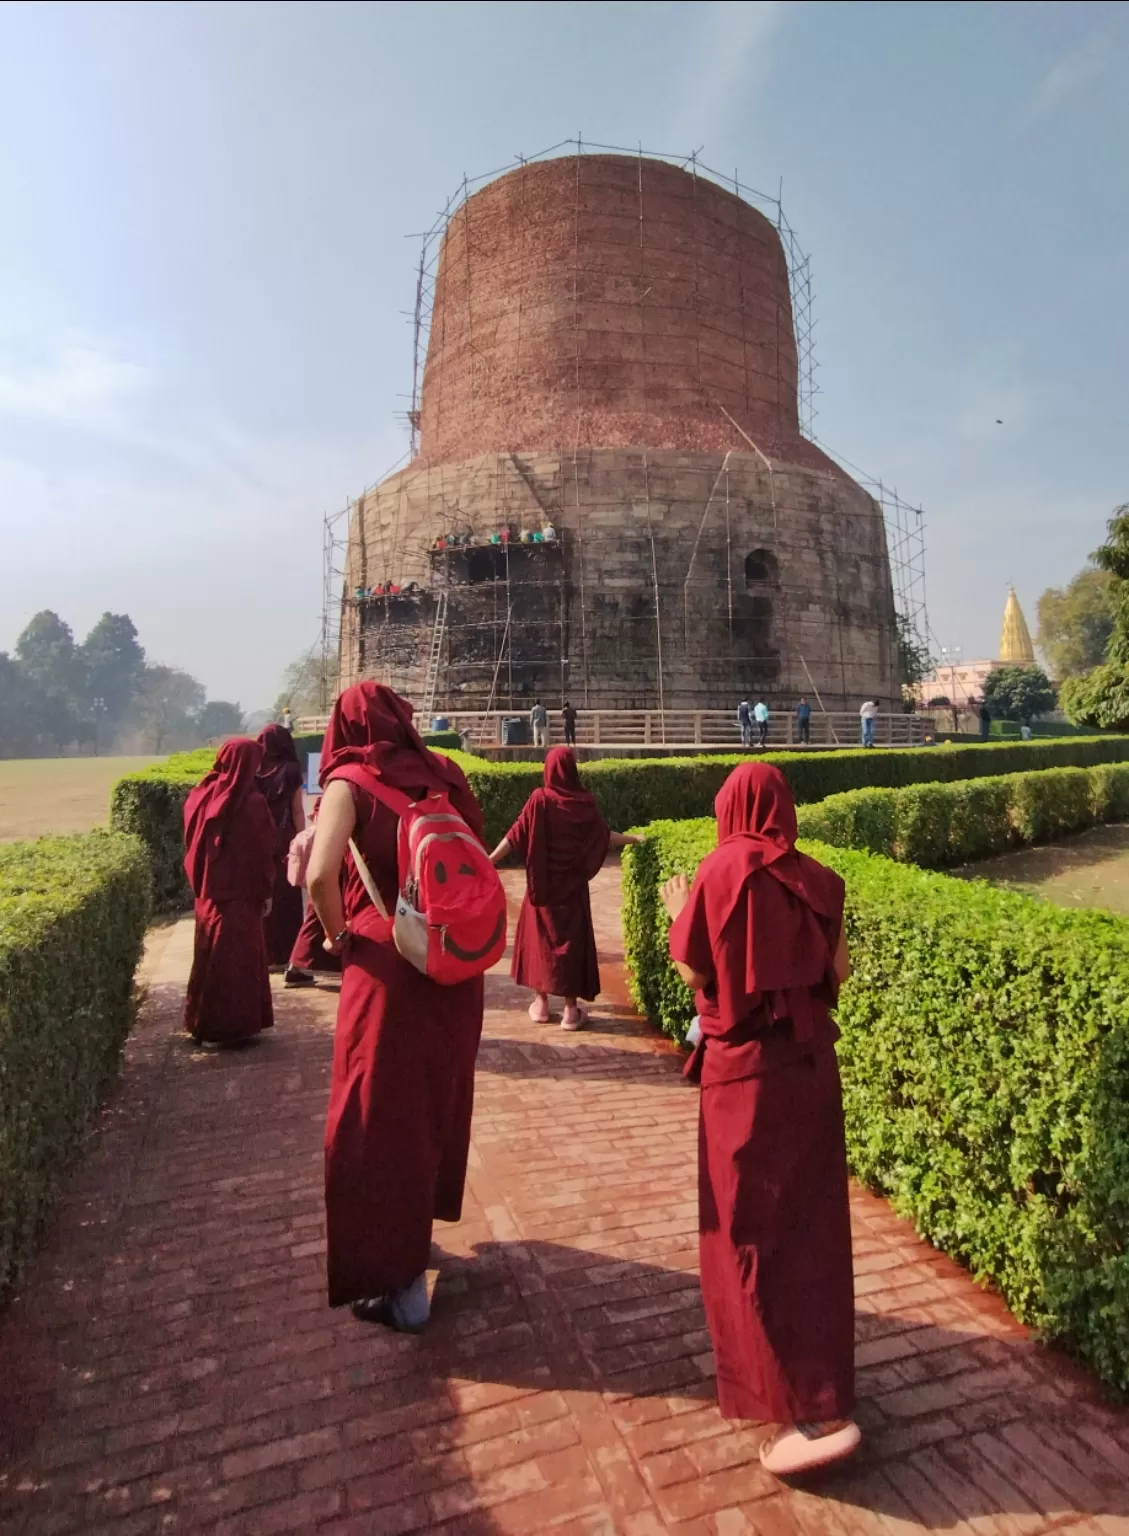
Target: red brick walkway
x,y
172,1367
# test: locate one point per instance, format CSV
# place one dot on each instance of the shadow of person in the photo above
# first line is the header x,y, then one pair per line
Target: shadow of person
x,y
569,1056
989,1427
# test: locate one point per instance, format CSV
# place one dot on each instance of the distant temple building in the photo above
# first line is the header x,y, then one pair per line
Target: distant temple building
x,y
1016,649
962,683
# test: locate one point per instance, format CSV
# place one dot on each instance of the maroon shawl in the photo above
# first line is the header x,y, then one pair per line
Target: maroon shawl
x,y
766,915
561,832
371,742
224,806
281,772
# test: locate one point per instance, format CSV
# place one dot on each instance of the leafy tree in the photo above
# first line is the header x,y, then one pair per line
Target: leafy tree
x,y
1019,693
1100,698
309,686
167,706
914,661
1113,556
113,661
51,666
19,723
218,719
1076,621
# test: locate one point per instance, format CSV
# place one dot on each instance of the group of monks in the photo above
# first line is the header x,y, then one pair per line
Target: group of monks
x,y
759,935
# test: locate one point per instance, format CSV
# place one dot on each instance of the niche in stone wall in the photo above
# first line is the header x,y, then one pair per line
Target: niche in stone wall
x,y
761,569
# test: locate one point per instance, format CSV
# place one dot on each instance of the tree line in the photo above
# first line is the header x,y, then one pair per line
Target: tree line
x,y
100,695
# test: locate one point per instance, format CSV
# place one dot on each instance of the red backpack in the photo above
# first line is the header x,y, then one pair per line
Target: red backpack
x,y
450,920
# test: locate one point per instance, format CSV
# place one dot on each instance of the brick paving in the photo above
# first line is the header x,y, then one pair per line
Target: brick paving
x,y
171,1365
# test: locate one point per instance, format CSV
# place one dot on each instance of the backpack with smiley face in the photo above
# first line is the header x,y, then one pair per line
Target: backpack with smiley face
x,y
450,919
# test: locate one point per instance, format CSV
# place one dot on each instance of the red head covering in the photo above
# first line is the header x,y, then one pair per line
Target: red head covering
x,y
561,831
767,915
371,741
281,772
213,805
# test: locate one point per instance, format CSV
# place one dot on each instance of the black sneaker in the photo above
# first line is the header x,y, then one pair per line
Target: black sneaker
x,y
296,977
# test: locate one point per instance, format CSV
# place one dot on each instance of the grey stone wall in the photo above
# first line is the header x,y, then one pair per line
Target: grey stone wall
x,y
682,579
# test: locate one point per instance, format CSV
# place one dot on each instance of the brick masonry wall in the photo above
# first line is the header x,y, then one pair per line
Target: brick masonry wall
x,y
609,301
770,579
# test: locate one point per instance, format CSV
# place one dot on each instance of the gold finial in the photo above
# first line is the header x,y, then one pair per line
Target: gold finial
x,y
1016,649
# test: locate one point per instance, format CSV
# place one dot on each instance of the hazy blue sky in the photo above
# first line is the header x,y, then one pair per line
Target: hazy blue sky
x,y
203,269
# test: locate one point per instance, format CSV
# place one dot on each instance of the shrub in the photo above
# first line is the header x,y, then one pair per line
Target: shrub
x,y
631,791
73,912
149,804
937,824
985,1056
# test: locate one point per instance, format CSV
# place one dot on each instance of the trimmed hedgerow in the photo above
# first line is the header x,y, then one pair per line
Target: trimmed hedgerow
x,y
985,1057
634,791
73,912
937,824
150,805
631,791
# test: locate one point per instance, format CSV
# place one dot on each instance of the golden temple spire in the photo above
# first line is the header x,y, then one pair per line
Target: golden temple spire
x,y
1016,649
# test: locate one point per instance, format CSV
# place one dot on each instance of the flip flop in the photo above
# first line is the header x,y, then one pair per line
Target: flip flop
x,y
538,1012
798,1448
574,1019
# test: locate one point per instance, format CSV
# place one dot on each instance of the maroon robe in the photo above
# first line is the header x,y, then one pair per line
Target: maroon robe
x,y
278,779
762,925
229,861
309,952
397,1134
563,839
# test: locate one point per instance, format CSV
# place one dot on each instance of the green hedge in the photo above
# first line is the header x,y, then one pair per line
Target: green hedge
x,y
634,791
631,791
985,1058
937,824
73,912
150,805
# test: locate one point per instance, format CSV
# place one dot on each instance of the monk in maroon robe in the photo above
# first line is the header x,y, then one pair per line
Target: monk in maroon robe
x,y
309,954
397,1135
229,838
760,936
280,782
563,839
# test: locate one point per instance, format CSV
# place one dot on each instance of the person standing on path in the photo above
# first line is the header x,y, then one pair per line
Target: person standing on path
x,y
563,839
397,1133
985,720
745,722
803,721
761,716
760,937
229,838
867,715
280,783
568,720
539,720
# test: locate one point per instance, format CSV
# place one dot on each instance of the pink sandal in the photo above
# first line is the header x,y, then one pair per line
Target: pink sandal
x,y
801,1448
574,1019
539,1011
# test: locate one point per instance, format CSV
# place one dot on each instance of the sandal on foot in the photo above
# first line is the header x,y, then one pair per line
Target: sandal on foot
x,y
539,1011
574,1019
805,1447
384,1310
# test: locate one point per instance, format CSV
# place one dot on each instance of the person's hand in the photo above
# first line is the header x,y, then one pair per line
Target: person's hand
x,y
332,947
675,894
638,838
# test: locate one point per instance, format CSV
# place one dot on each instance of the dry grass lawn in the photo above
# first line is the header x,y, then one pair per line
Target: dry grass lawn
x,y
58,794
